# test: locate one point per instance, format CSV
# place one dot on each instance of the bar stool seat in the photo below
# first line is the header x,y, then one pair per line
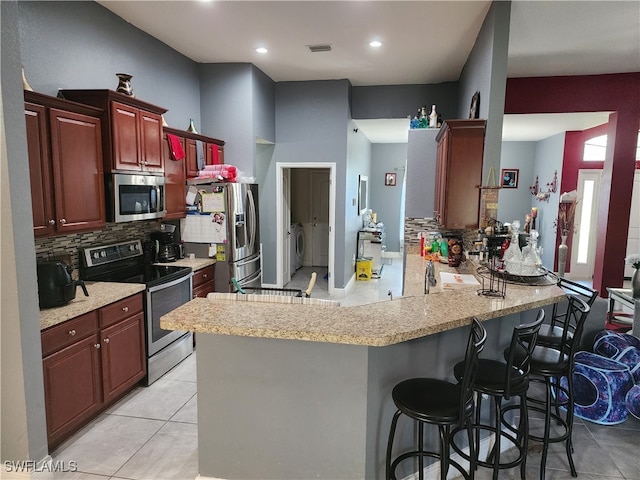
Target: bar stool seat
x,y
437,402
502,380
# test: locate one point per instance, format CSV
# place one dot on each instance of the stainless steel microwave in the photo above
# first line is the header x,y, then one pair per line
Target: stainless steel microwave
x,y
134,197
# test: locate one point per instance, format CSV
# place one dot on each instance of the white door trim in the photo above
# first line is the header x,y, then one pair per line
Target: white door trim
x,y
280,254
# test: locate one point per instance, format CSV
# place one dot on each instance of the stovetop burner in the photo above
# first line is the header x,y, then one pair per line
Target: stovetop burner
x,y
124,262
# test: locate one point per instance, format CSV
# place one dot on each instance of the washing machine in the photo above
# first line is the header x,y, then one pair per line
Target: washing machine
x,y
297,246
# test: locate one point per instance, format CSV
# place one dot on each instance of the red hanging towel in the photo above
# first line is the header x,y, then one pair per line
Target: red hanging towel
x,y
214,154
177,152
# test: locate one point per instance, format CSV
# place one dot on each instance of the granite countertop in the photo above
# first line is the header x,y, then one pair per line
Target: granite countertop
x,y
194,263
100,295
384,323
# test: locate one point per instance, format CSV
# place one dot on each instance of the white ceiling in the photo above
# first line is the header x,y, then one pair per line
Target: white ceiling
x,y
423,42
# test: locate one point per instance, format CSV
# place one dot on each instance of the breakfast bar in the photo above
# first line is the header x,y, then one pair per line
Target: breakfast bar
x,y
304,391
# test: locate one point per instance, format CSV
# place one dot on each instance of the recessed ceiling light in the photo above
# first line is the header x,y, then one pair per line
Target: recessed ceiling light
x,y
375,44
262,50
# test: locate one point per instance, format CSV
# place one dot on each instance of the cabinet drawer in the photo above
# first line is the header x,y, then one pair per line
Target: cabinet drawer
x,y
66,333
120,310
202,276
202,290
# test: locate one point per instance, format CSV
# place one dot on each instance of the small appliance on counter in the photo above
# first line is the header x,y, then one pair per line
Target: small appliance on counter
x,y
56,287
166,248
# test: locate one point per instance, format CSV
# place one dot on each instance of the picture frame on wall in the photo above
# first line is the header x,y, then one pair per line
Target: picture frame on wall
x,y
509,177
390,179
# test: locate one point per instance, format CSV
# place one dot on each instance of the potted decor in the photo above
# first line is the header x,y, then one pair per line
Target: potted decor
x,y
634,260
564,226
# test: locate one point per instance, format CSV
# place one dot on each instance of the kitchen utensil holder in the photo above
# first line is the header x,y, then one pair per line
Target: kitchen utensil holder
x,y
495,285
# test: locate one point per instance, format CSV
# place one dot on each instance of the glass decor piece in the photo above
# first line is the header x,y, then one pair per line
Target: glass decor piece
x,y
124,84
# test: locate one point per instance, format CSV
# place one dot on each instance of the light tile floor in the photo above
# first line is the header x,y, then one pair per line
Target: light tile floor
x,y
151,434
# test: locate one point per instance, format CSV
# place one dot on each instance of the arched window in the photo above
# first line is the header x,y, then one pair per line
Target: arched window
x,y
595,149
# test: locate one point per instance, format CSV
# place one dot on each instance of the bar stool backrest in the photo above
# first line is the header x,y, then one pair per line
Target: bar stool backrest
x,y
523,341
475,345
573,324
587,294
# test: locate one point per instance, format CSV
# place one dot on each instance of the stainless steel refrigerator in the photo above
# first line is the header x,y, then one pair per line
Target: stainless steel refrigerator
x,y
228,229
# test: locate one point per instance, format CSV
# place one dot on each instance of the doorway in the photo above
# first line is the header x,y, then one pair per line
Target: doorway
x,y
317,218
583,248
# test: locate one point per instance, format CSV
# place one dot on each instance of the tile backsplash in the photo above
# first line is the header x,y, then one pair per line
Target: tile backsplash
x,y
113,233
412,226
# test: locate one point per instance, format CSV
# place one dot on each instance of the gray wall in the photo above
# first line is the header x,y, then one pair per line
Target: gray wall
x,y
486,71
421,173
22,402
515,203
398,101
83,45
387,200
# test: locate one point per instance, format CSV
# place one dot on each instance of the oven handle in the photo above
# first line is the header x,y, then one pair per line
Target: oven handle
x,y
162,286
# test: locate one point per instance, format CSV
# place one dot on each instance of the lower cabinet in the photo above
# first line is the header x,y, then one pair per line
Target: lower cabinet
x,y
203,282
89,362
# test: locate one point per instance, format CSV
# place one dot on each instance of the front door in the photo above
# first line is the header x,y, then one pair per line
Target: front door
x,y
583,250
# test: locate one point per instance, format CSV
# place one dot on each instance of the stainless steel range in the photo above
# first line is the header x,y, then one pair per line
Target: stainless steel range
x,y
167,287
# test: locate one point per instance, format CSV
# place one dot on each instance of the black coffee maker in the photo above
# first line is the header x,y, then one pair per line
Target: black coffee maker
x,y
165,248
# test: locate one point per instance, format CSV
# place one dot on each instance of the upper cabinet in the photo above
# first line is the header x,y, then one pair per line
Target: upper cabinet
x,y
131,130
212,150
65,165
459,173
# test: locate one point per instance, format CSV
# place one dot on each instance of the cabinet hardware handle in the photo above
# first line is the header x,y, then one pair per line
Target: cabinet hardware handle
x,y
63,221
125,309
96,346
72,332
52,222
204,275
106,340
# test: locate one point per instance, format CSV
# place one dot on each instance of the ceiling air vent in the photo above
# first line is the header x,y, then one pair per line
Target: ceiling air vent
x,y
319,48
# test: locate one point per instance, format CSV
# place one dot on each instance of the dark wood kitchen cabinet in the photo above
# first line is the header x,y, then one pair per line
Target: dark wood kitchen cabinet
x,y
175,190
459,157
89,362
65,165
131,130
209,144
203,282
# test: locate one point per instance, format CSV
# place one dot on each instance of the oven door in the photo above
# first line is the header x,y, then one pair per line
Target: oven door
x,y
162,299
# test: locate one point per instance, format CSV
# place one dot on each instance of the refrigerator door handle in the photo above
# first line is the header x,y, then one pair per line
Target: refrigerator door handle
x,y
249,280
243,262
252,220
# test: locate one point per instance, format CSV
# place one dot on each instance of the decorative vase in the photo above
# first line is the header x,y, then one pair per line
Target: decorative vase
x,y
192,127
124,84
635,284
25,83
562,255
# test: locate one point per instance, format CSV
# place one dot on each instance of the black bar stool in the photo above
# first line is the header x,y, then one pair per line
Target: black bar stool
x,y
502,380
553,334
441,403
548,365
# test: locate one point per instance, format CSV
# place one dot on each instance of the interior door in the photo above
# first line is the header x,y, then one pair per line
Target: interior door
x,y
583,249
286,225
320,218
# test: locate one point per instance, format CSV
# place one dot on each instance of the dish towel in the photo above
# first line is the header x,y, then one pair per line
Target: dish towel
x,y
214,154
175,146
199,154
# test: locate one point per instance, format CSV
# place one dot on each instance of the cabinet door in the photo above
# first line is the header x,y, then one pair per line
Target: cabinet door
x,y
202,290
125,125
174,186
76,154
191,160
72,387
209,158
123,356
40,170
151,156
